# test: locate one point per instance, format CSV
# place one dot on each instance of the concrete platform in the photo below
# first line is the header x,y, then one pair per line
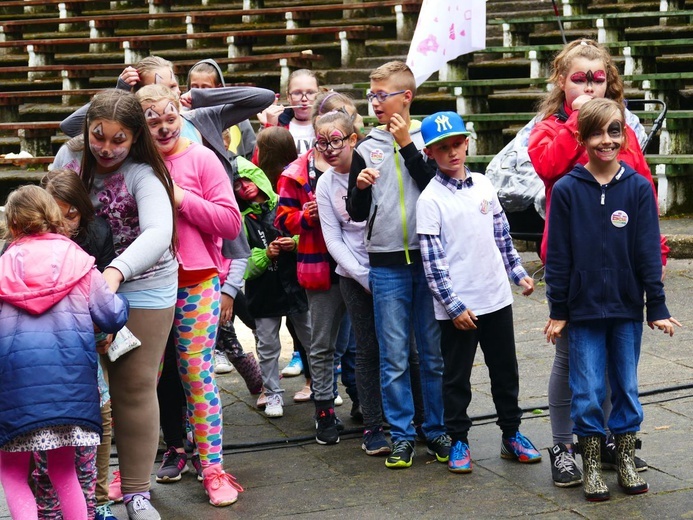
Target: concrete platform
x,y
287,475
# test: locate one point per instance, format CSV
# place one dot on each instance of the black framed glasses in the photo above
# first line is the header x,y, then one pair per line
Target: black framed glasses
x,y
336,143
308,94
382,96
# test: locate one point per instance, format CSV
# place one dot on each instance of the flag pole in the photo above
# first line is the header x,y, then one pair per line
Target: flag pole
x,y
560,24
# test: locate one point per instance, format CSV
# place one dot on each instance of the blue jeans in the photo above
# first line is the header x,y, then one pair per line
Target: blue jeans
x,y
402,301
599,348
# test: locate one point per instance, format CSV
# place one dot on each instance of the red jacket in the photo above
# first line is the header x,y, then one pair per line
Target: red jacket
x,y
554,151
294,188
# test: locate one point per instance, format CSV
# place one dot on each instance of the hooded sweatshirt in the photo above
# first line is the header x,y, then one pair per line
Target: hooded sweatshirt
x,y
271,287
602,254
50,296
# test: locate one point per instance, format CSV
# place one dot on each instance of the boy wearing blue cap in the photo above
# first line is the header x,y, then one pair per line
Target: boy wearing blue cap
x,y
467,250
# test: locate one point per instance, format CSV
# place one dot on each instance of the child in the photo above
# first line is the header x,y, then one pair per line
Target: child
x,y
604,207
207,212
131,189
336,138
94,236
272,288
470,309
387,175
49,296
583,70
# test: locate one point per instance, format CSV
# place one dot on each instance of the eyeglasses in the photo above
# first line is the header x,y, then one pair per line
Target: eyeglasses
x,y
382,96
336,143
308,94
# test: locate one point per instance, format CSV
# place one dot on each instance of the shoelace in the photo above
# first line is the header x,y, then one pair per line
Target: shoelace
x,y
565,463
400,447
216,481
458,451
524,441
140,503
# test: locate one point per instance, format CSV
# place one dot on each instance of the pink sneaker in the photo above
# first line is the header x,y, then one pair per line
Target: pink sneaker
x,y
221,487
114,492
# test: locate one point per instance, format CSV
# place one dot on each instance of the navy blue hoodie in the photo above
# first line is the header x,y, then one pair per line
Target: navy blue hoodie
x,y
603,249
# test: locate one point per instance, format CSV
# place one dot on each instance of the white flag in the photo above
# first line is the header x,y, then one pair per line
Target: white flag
x,y
445,30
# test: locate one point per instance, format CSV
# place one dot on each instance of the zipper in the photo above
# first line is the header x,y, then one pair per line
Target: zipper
x,y
371,222
402,206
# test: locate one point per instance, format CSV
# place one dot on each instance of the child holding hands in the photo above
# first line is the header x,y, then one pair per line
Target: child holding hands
x,y
467,251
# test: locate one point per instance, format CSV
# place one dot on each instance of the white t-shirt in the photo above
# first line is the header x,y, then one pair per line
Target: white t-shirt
x,y
464,221
304,136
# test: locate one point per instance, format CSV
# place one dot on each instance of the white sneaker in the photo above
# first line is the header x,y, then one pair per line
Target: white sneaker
x,y
295,366
274,406
338,401
222,365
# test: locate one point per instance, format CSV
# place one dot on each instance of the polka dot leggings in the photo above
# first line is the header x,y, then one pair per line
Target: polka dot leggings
x,y
195,325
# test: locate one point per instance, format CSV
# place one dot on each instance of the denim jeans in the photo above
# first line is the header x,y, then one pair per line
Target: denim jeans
x,y
608,346
402,301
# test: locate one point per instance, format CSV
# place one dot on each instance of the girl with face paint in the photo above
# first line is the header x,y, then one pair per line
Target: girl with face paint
x,y
207,213
604,207
130,188
582,71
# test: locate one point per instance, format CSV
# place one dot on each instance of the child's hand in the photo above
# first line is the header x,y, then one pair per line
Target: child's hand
x,y
465,321
581,100
178,195
528,284
553,329
273,250
286,243
186,99
400,130
666,326
270,115
102,346
226,308
130,76
113,278
310,209
366,178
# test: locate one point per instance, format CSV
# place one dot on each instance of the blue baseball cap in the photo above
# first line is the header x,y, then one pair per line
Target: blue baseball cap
x,y
442,125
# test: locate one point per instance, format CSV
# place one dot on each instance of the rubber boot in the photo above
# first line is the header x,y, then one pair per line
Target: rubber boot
x,y
628,477
592,481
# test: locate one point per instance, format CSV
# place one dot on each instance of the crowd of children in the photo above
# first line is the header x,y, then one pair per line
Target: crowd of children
x,y
328,228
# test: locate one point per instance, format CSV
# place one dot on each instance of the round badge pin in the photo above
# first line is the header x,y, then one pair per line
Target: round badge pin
x,y
619,218
377,156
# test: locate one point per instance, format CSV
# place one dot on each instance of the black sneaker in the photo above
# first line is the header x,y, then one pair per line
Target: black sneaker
x,y
401,456
564,469
440,447
326,427
609,456
173,465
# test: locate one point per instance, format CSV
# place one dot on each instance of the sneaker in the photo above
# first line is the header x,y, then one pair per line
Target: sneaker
x,y
326,427
375,443
248,368
140,508
520,448
103,512
460,460
564,469
197,466
401,456
338,401
221,487
274,407
261,400
303,394
172,466
440,447
222,365
295,366
609,456
114,492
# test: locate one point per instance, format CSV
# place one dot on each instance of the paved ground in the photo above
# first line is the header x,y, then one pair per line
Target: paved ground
x,y
286,474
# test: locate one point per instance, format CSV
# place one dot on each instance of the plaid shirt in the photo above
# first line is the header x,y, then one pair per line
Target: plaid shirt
x,y
436,263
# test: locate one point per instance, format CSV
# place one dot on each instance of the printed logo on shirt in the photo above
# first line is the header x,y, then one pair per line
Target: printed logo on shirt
x,y
377,156
619,218
485,206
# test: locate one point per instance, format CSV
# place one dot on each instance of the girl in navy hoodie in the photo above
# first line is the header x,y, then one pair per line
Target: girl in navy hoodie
x,y
602,257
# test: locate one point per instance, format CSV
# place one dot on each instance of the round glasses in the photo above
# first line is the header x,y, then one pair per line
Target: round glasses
x,y
336,143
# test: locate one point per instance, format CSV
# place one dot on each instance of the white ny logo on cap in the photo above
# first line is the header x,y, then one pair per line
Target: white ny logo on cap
x,y
443,123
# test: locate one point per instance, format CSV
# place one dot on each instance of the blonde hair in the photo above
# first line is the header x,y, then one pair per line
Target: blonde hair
x,y
31,210
149,64
398,73
596,113
583,48
155,93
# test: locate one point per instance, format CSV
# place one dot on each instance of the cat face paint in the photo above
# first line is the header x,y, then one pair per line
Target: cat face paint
x,y
162,76
110,144
164,123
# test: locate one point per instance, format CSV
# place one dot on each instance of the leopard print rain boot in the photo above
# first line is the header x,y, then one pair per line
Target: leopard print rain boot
x,y
592,481
628,477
